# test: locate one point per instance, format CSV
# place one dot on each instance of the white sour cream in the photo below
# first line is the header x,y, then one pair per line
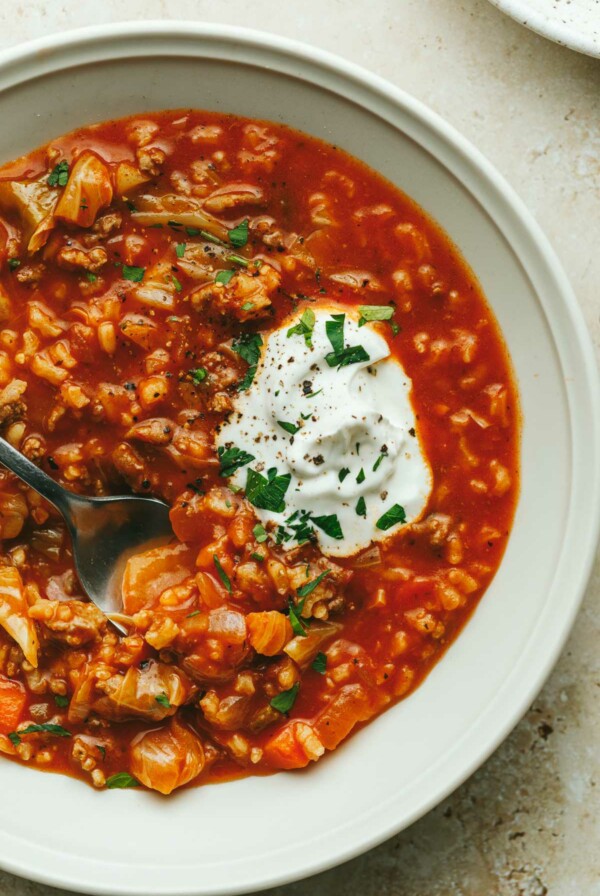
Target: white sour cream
x,y
357,417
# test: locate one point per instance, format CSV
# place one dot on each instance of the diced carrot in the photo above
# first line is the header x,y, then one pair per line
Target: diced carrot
x,y
341,714
12,703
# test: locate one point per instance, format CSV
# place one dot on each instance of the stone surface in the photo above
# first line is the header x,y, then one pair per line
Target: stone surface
x,y
528,823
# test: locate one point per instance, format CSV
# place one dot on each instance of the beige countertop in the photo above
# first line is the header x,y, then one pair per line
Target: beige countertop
x,y
528,822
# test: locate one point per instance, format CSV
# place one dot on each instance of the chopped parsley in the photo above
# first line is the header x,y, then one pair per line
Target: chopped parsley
x,y
14,738
199,374
46,728
342,356
163,700
378,461
294,611
176,283
238,236
91,278
304,327
238,259
258,557
247,306
343,473
59,175
361,476
231,459
330,525
307,589
361,507
283,702
374,312
391,517
289,427
121,780
61,701
224,277
319,664
180,250
260,533
192,614
14,263
131,272
222,574
267,493
248,347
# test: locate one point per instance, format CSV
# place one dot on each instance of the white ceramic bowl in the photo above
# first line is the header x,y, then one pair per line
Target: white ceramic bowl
x,y
573,23
254,833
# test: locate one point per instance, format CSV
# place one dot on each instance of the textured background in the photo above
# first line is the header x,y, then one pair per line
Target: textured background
x,y
528,823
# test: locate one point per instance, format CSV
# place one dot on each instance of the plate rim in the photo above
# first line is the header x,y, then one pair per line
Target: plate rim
x,y
556,31
512,217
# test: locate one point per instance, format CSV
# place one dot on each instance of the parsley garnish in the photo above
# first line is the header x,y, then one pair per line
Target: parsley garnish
x,y
224,277
395,514
304,327
14,738
238,259
91,278
260,533
61,701
46,728
231,459
343,473
199,374
319,664
267,493
238,236
59,175
307,589
298,626
361,476
289,427
131,272
248,347
283,702
180,250
247,306
163,700
121,780
374,312
222,574
330,525
13,263
257,557
340,356
192,614
378,461
206,235
176,283
361,507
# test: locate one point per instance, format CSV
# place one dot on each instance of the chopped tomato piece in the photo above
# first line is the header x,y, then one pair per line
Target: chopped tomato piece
x,y
12,703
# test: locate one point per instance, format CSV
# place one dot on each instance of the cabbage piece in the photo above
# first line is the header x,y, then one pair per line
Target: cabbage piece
x,y
172,209
159,287
304,650
128,178
88,190
34,203
167,758
147,575
14,614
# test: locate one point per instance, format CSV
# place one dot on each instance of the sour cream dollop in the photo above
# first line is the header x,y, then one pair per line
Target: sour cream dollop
x,y
349,440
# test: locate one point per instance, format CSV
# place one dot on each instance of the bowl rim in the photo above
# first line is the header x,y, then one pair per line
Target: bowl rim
x,y
28,61
550,27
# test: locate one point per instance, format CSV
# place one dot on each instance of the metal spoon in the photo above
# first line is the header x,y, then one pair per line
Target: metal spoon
x,y
105,531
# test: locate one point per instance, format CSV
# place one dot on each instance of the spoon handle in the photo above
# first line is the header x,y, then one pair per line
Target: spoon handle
x,y
22,467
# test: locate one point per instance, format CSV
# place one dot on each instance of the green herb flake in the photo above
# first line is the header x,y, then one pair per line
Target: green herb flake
x,y
238,259
319,664
330,525
377,463
298,625
260,533
163,700
14,738
335,332
248,347
267,493
59,175
61,701
258,557
91,278
247,306
231,459
374,312
395,327
307,589
224,277
176,283
206,235
120,781
361,507
46,728
194,613
391,517
283,702
361,476
14,263
304,327
131,272
340,356
199,374
180,250
343,473
222,574
289,427
238,236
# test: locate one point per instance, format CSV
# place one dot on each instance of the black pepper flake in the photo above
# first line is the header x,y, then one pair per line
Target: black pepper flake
x,y
307,387
412,432
52,463
145,483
